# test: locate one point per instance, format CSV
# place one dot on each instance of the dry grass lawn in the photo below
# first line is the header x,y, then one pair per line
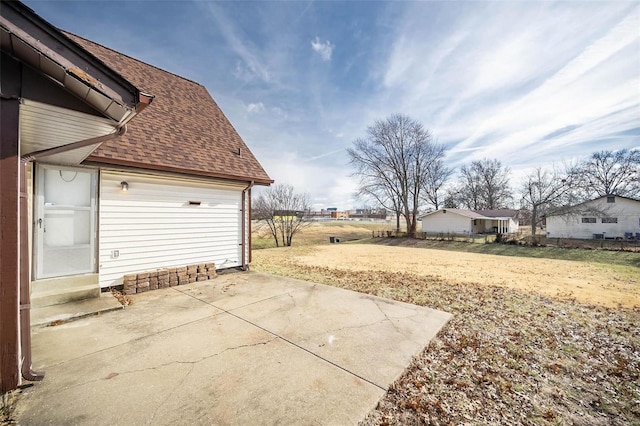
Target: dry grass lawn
x,y
589,283
532,341
319,232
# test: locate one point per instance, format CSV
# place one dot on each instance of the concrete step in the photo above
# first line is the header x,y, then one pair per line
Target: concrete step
x,y
60,296
55,291
56,314
60,283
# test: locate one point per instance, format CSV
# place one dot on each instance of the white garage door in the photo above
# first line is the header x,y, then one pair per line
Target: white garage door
x,y
161,222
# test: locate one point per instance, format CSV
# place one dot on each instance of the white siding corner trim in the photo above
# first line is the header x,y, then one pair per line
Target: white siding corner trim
x,y
152,225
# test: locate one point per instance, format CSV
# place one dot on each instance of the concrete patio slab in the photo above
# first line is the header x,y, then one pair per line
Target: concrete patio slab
x,y
237,290
345,327
242,349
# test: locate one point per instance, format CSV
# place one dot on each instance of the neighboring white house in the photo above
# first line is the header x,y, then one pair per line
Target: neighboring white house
x,y
610,216
460,221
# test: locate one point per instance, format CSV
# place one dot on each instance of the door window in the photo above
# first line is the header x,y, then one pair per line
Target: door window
x,y
65,221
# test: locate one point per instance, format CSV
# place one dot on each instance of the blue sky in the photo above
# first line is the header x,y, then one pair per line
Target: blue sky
x,y
528,83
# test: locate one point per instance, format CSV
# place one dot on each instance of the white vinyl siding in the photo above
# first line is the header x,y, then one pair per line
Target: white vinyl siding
x,y
449,222
153,226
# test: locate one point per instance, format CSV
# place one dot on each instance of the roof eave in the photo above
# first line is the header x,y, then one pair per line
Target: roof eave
x,y
32,40
101,162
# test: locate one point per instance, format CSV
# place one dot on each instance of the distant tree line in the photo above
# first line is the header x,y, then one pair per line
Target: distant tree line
x,y
402,168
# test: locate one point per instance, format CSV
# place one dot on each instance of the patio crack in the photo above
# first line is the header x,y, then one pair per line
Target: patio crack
x,y
386,319
375,302
192,363
355,327
173,390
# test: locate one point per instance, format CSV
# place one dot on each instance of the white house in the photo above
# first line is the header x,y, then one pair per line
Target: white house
x,y
460,221
173,191
606,217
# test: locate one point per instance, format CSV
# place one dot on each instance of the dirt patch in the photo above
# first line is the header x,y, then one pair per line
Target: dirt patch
x,y
508,356
604,285
7,407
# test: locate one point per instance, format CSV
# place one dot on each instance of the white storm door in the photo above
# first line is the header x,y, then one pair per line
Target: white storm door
x,y
65,221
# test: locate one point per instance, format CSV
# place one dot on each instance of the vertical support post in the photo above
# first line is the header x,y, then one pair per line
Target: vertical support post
x,y
9,243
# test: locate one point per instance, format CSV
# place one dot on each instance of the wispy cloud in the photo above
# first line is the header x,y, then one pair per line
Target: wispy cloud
x,y
251,66
255,107
279,112
504,94
579,94
323,49
326,154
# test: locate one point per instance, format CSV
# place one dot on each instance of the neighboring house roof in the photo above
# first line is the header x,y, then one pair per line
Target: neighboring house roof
x,y
183,131
462,212
501,213
480,214
614,195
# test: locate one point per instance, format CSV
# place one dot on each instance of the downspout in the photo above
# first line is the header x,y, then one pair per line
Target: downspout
x,y
25,297
250,231
245,267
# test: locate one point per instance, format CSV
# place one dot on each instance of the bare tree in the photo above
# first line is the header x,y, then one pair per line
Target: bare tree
x,y
451,198
384,197
611,173
283,211
485,185
469,192
545,192
392,162
436,176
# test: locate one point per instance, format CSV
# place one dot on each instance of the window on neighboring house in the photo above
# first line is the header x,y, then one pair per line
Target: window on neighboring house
x,y
611,199
588,220
609,220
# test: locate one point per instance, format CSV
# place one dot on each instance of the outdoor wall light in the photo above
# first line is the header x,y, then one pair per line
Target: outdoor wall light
x,y
124,186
